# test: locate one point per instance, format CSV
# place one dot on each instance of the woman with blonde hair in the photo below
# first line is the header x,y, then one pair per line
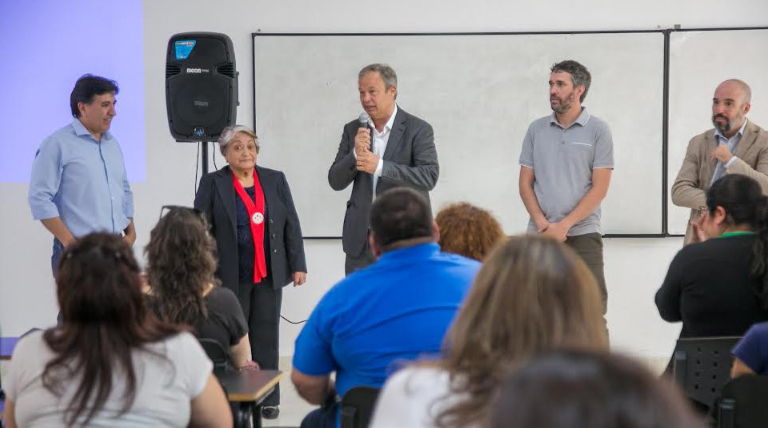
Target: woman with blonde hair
x,y
468,230
532,294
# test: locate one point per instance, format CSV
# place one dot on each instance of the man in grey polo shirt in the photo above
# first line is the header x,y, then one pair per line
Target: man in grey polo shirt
x,y
565,169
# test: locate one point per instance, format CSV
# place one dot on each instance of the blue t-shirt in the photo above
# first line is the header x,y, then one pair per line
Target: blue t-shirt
x,y
394,311
753,348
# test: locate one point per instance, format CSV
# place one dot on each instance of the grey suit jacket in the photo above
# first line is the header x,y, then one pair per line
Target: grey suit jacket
x,y
409,160
216,198
693,180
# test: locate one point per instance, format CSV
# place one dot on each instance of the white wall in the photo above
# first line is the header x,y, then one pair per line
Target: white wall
x,y
634,267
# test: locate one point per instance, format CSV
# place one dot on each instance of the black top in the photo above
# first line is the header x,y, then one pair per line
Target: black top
x,y
225,323
708,288
245,249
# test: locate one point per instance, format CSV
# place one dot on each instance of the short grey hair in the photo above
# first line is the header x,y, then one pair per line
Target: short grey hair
x,y
579,74
386,72
230,131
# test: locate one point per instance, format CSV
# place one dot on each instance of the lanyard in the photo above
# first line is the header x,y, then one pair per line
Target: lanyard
x,y
256,214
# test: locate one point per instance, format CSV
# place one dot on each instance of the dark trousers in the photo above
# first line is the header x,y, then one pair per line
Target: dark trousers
x,y
261,305
324,417
366,258
590,248
58,248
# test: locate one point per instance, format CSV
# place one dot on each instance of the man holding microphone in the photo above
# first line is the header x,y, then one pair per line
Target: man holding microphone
x,y
385,148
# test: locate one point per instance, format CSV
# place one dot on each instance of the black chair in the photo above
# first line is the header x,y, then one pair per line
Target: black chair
x,y
217,354
357,406
742,403
701,366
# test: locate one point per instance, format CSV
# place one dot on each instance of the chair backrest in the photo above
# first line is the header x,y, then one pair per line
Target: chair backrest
x,y
742,403
357,406
701,366
217,354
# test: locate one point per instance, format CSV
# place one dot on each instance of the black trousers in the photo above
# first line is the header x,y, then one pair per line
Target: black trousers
x,y
261,305
365,259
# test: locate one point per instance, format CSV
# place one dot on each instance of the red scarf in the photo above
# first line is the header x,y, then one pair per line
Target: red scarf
x,y
256,215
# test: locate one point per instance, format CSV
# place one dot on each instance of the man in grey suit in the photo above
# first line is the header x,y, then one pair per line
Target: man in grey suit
x,y
394,149
734,146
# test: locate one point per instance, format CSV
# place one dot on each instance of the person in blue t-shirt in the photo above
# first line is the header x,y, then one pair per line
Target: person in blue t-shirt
x,y
751,353
391,312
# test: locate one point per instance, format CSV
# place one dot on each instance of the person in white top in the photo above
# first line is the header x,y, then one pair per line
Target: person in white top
x,y
531,295
110,363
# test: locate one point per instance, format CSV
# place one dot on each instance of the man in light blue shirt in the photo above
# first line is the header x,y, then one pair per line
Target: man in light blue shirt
x,y
79,184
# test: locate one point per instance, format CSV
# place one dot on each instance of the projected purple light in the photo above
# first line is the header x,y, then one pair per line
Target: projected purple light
x,y
46,45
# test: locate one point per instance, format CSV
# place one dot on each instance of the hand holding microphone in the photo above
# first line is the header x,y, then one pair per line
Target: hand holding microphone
x,y
363,137
366,160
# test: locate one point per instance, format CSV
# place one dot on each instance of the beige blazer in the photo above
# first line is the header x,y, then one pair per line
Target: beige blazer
x,y
693,180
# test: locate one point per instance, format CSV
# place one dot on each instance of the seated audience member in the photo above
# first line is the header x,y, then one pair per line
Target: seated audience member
x,y
751,353
180,271
468,230
578,389
395,310
110,362
718,287
531,295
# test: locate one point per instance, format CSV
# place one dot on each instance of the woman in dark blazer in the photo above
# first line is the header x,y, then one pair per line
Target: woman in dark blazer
x,y
258,238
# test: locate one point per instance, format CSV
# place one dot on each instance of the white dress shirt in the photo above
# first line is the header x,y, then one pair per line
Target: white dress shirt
x,y
379,142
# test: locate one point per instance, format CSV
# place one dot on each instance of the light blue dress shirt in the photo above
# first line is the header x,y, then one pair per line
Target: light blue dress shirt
x,y
82,181
731,143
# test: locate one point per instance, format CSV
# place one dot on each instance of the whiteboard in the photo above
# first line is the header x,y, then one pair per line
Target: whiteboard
x,y
480,92
699,61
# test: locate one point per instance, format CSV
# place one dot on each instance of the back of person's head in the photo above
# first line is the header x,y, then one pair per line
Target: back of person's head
x,y
103,318
181,262
468,230
98,283
87,87
400,215
532,294
740,197
744,204
580,389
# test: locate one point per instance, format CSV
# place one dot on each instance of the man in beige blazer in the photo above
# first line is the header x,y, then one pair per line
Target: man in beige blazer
x,y
734,146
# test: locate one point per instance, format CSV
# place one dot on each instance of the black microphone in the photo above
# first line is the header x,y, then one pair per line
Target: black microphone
x,y
363,121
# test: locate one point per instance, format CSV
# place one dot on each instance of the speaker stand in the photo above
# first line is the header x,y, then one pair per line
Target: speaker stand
x,y
205,156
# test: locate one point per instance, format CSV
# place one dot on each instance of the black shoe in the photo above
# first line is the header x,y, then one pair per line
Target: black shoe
x,y
270,412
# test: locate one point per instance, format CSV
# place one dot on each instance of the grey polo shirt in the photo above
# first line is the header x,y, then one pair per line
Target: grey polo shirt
x,y
562,160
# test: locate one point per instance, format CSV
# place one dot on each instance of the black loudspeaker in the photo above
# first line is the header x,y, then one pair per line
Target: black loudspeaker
x,y
200,85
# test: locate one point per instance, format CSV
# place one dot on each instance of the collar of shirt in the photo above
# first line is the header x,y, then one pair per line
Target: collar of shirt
x,y
411,252
719,135
81,131
387,126
581,120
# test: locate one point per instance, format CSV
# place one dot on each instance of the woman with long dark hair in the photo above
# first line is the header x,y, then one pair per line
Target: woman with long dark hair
x,y
110,362
181,263
719,287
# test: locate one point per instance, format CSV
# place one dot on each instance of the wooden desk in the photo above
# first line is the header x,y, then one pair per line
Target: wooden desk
x,y
248,388
6,347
